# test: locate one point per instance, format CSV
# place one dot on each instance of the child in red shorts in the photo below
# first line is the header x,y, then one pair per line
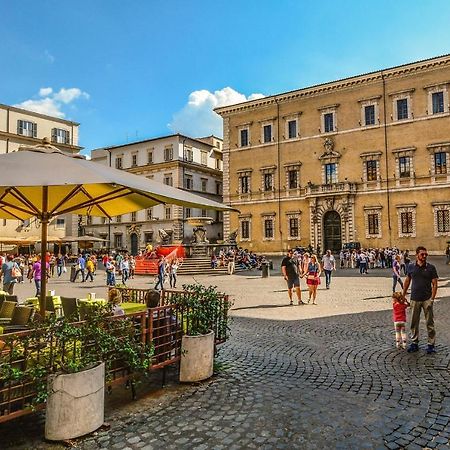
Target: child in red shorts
x,y
399,305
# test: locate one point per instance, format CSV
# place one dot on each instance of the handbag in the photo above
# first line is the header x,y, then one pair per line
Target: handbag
x,y
64,269
15,272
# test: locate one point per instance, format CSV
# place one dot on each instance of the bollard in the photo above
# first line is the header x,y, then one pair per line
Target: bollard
x,y
264,270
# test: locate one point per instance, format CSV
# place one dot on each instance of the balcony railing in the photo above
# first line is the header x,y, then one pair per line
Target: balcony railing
x,y
327,189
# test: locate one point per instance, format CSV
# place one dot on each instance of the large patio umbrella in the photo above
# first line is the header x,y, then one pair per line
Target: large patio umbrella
x,y
44,182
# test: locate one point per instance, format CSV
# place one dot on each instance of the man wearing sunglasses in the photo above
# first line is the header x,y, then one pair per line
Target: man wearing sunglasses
x,y
423,278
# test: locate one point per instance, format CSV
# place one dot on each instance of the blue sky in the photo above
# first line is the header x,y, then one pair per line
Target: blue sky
x,y
137,69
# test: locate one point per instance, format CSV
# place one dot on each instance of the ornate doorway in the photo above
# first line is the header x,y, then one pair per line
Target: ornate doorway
x,y
332,237
134,244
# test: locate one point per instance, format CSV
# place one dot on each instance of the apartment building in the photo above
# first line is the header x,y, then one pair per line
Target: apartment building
x,y
20,127
193,164
362,159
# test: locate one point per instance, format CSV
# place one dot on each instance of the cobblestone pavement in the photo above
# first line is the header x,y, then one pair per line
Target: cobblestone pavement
x,y
333,382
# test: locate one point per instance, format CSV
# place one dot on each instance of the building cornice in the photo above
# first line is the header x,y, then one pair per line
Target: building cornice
x,y
35,114
370,77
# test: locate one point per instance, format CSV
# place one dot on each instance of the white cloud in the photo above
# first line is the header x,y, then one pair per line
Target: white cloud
x,y
43,92
197,117
52,102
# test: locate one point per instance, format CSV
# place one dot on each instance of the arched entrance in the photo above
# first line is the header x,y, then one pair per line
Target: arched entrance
x,y
134,244
332,238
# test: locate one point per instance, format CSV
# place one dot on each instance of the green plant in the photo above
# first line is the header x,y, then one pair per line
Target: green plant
x,y
59,346
204,309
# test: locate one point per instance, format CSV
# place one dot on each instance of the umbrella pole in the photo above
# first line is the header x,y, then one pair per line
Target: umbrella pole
x,y
44,225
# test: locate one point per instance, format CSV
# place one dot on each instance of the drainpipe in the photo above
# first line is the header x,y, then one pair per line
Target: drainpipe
x,y
183,173
279,177
109,220
386,159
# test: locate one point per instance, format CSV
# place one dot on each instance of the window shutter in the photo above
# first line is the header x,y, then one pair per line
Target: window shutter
x,y
19,127
53,134
34,130
67,137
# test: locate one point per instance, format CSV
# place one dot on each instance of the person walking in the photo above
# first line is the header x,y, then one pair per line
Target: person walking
x,y
399,305
396,276
90,269
290,270
6,271
161,273
313,278
37,274
328,264
125,269
110,268
80,267
173,268
423,278
363,263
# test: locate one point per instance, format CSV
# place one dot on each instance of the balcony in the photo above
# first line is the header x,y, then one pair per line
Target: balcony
x,y
318,190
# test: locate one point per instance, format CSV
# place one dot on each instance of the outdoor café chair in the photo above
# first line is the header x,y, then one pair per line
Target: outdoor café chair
x,y
70,308
6,311
20,319
50,307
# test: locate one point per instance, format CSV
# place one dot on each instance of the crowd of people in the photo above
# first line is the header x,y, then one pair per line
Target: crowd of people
x,y
237,257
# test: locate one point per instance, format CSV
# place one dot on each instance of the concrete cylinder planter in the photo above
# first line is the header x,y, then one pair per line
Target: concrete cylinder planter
x,y
75,404
197,357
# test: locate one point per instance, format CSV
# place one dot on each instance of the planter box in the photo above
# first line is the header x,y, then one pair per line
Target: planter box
x,y
75,404
197,357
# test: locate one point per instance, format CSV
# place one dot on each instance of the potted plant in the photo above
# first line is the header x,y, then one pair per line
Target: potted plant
x,y
204,312
67,363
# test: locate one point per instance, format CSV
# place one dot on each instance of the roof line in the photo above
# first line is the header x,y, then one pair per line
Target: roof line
x,y
379,72
34,113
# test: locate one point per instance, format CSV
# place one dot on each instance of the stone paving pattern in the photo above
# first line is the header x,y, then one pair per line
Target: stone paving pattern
x,y
334,382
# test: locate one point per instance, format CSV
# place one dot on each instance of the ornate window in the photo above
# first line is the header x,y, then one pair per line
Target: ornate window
x,y
328,118
268,222
371,170
406,220
292,178
372,216
438,99
440,154
244,137
293,222
133,216
369,111
245,179
441,213
331,173
402,105
245,224
268,179
404,165
330,163
267,135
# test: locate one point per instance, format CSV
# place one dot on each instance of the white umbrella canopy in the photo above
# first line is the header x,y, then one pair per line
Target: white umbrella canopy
x,y
44,182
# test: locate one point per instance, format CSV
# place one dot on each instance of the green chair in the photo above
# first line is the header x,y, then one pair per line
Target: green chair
x,y
7,309
20,319
70,308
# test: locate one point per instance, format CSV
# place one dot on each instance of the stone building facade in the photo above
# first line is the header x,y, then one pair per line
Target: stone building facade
x,y
20,127
193,164
364,159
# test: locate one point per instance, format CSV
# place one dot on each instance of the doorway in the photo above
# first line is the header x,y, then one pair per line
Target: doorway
x,y
332,231
134,244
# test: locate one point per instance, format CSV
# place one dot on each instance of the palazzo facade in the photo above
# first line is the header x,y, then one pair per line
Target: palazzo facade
x,y
364,159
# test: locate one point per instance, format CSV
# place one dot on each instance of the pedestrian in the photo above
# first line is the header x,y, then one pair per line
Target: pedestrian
x,y
396,276
328,264
290,270
313,278
231,262
399,305
60,264
173,268
37,273
80,268
125,269
161,272
90,269
6,271
132,266
363,263
423,278
110,268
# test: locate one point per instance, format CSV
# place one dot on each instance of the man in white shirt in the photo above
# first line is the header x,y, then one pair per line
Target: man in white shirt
x,y
329,264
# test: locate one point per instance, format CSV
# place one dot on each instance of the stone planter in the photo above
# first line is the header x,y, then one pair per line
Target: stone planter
x,y
197,357
75,405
